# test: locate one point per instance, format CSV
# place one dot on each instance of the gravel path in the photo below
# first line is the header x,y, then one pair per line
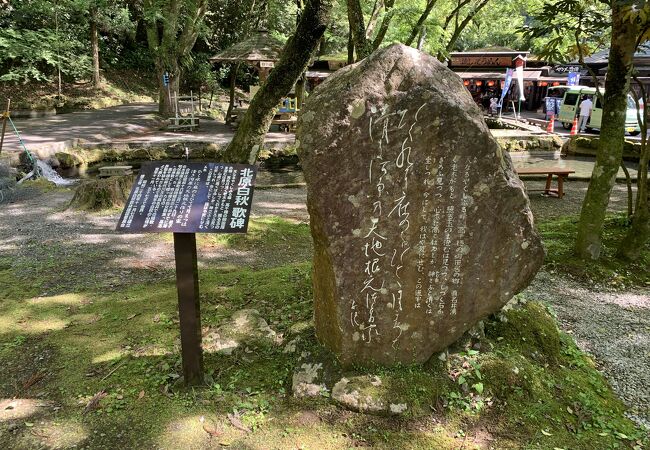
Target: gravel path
x,y
614,327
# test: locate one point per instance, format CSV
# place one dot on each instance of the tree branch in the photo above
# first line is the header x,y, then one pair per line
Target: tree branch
x,y
423,17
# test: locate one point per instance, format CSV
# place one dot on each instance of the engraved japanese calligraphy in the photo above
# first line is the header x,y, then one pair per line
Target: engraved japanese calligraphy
x,y
420,226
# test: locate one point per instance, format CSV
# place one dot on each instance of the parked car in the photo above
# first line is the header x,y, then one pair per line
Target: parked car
x,y
571,106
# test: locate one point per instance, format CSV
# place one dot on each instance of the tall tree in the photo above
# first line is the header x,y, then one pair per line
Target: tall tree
x,y
625,33
639,232
297,52
172,28
389,12
460,25
362,45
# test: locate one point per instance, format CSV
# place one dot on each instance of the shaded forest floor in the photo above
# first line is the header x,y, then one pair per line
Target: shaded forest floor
x,y
84,310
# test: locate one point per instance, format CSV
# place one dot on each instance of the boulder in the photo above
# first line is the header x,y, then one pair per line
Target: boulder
x,y
421,228
7,176
67,160
245,326
368,394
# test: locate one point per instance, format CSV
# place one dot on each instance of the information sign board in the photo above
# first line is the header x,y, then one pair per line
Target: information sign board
x,y
189,197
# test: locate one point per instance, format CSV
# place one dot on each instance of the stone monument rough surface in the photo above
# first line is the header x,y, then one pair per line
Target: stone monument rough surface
x,y
421,228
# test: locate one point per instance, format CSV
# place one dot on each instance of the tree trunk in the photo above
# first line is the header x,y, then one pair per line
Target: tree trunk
x,y
94,43
385,23
423,18
639,232
167,94
234,68
461,26
350,47
171,33
362,46
423,36
249,137
300,90
612,132
374,17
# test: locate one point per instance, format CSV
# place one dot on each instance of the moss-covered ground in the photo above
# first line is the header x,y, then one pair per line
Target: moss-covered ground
x,y
523,385
559,236
117,88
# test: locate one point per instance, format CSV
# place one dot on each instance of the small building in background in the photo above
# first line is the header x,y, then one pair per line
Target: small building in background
x,y
484,71
598,64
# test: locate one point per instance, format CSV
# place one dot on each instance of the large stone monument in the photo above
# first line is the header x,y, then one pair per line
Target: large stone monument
x,y
420,226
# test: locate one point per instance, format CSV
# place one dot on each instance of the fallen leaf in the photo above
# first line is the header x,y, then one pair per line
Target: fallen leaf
x,y
211,430
237,423
546,433
35,378
141,395
93,404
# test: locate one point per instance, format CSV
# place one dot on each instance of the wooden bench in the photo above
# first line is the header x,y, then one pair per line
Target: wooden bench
x,y
110,171
560,172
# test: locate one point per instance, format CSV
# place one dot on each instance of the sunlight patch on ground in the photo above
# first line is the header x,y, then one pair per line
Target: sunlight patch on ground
x,y
186,433
27,324
108,356
64,299
94,238
7,247
629,299
20,408
56,435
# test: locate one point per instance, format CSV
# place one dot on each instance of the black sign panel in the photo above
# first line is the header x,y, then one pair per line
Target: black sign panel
x,y
189,197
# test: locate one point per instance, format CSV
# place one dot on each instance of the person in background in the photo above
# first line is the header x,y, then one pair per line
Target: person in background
x,y
585,111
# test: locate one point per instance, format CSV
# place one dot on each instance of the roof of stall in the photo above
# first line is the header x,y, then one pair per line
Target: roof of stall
x,y
261,46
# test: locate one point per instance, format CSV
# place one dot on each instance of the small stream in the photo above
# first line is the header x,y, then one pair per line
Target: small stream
x,y
287,171
52,175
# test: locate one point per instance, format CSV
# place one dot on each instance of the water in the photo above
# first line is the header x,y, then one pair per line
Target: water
x,y
51,175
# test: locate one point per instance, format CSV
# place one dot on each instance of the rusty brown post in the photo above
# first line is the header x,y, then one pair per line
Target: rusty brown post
x,y
5,116
189,312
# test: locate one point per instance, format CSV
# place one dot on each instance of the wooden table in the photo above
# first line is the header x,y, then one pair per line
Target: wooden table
x,y
560,172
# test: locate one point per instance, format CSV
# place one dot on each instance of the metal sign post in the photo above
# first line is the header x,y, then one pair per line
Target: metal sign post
x,y
187,198
189,308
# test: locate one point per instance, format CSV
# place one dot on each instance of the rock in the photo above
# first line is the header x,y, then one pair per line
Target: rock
x,y
7,177
102,193
307,380
68,160
244,326
420,226
366,394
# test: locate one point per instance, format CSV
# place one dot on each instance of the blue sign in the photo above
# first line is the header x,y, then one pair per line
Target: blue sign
x,y
166,79
573,79
506,86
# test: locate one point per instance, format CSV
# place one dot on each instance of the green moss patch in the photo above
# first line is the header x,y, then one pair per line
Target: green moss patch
x,y
559,236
